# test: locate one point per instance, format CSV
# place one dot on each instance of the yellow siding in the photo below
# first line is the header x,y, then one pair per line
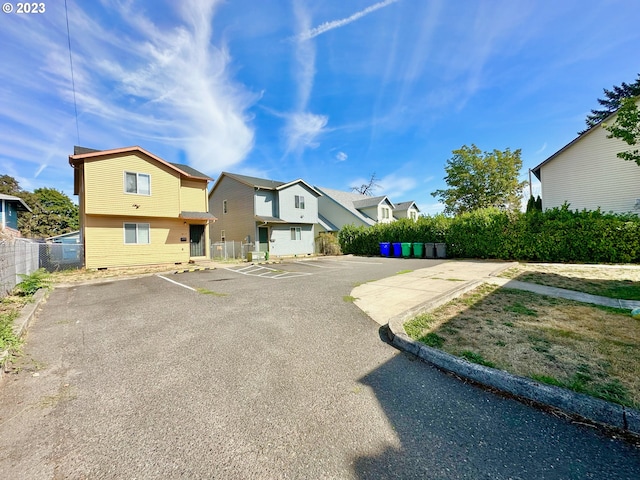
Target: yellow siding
x,y
105,247
104,187
193,196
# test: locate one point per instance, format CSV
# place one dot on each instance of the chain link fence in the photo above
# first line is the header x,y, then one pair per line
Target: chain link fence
x,y
19,256
230,250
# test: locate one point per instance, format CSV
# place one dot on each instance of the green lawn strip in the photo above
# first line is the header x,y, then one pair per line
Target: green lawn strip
x,y
621,288
588,349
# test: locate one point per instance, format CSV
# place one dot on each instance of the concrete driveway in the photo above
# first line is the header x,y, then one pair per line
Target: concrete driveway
x,y
263,378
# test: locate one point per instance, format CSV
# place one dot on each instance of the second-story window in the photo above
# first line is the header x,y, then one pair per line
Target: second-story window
x,y
299,201
224,206
138,183
385,212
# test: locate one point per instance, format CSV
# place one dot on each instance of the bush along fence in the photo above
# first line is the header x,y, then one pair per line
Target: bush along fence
x,y
557,235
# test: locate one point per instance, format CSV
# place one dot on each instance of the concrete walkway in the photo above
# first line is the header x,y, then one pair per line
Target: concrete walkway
x,y
397,299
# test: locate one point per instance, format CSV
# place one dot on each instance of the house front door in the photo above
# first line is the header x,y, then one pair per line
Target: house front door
x,y
263,238
196,240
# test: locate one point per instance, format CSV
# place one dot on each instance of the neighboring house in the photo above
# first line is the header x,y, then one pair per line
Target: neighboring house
x,y
338,208
138,209
276,217
406,210
9,208
587,174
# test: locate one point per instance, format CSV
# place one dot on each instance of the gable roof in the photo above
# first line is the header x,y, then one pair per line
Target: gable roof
x,y
82,153
348,201
402,206
536,170
263,183
19,203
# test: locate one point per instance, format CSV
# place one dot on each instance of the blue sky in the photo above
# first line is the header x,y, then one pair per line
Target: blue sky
x,y
329,91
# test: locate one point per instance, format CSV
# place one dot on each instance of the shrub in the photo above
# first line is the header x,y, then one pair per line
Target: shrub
x,y
31,283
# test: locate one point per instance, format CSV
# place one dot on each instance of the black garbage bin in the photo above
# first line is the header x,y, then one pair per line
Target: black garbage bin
x,y
430,250
441,250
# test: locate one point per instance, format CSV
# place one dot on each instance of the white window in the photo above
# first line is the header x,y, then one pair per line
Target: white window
x,y
138,183
385,212
296,233
224,206
299,201
136,233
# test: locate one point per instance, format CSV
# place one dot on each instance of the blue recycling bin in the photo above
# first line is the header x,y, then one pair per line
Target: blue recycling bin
x,y
397,249
385,249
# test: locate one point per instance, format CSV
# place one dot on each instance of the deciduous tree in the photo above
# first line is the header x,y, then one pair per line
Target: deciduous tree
x,y
626,127
479,180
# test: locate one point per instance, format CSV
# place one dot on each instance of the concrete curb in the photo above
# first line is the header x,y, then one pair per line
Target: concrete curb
x,y
596,410
195,269
21,324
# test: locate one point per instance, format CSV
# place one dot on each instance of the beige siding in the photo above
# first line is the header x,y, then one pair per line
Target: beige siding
x,y
588,175
104,187
193,196
105,247
239,221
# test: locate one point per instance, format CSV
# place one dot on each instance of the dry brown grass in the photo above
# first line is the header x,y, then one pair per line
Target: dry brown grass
x,y
586,348
614,281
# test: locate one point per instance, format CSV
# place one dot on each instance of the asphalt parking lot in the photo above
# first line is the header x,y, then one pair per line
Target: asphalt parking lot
x,y
263,373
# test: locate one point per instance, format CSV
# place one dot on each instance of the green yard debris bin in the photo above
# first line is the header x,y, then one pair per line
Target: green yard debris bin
x,y
406,249
418,249
441,250
430,250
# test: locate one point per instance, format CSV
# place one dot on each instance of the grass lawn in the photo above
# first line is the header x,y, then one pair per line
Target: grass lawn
x,y
607,281
589,349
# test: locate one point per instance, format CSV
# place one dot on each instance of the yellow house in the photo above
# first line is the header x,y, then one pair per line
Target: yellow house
x,y
138,209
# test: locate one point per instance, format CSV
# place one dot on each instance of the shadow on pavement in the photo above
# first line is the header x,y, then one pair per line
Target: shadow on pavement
x,y
449,429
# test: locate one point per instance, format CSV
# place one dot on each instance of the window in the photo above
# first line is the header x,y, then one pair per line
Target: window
x,y
299,201
385,212
136,233
224,206
222,236
138,183
296,233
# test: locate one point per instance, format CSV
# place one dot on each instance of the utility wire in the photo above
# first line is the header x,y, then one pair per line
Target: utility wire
x,y
73,83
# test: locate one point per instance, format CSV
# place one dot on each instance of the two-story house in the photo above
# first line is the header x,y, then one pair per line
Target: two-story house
x,y
9,208
276,217
138,209
338,208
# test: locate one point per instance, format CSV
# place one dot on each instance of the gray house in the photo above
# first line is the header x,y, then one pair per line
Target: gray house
x,y
338,208
276,217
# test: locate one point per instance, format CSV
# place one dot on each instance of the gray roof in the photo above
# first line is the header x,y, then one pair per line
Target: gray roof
x,y
405,206
254,181
326,224
367,201
188,170
197,216
82,150
346,200
20,205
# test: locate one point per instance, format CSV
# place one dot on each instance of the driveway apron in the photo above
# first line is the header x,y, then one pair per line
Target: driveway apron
x,y
253,377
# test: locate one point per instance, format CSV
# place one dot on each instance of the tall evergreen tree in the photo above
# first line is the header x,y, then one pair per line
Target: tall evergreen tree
x,y
611,102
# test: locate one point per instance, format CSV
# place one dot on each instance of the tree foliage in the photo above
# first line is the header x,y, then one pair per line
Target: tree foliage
x,y
611,102
52,212
626,127
481,180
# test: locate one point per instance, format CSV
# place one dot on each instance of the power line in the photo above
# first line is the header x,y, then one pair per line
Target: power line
x,y
73,83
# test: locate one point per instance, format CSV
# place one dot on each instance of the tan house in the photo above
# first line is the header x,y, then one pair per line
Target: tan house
x,y
587,174
138,209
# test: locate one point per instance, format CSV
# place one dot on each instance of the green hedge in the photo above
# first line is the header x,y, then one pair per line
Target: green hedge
x,y
557,235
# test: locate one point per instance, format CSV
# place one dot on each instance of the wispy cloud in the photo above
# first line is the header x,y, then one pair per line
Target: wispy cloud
x,y
541,149
327,26
341,156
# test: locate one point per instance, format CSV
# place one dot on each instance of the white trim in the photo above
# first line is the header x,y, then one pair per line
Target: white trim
x,y
137,174
137,224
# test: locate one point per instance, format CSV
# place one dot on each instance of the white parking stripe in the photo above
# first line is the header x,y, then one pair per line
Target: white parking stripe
x,y
177,283
311,264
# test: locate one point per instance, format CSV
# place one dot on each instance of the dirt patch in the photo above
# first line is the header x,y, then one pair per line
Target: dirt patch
x,y
589,349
